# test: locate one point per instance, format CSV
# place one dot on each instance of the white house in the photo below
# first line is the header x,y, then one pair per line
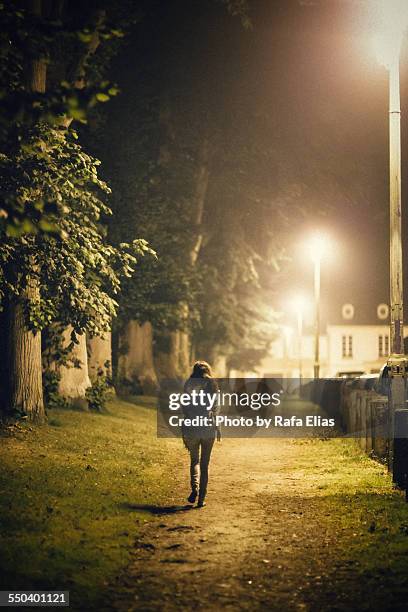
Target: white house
x,y
355,341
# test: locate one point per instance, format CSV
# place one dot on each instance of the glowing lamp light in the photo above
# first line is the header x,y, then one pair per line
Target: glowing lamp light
x,y
318,247
389,24
287,332
299,304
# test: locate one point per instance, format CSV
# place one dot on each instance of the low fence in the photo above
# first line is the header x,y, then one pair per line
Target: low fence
x,y
363,414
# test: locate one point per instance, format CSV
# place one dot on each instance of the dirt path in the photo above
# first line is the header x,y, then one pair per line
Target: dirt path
x,y
266,540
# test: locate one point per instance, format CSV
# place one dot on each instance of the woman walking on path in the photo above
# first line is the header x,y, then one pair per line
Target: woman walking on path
x,y
199,439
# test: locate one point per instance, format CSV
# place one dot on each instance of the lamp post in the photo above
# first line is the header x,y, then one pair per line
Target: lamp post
x,y
317,250
392,19
396,362
300,334
299,308
287,335
317,316
396,283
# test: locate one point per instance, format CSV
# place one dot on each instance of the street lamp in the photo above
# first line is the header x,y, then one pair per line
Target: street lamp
x,y
392,21
317,249
392,18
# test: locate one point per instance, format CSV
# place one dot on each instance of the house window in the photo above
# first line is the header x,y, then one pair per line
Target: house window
x,y
383,345
347,346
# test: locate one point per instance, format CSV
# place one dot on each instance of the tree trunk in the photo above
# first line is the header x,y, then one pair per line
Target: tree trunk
x,y
25,393
173,349
99,356
184,352
136,369
74,379
4,391
172,354
176,361
219,366
203,176
24,346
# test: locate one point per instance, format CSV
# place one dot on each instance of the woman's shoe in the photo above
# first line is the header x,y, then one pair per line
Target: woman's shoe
x,y
192,497
201,503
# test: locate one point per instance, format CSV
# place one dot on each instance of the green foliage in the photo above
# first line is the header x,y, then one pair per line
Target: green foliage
x,y
60,43
77,271
52,397
235,318
101,390
239,8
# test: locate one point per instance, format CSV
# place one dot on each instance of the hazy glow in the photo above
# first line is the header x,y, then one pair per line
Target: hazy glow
x,y
318,247
299,304
287,332
389,24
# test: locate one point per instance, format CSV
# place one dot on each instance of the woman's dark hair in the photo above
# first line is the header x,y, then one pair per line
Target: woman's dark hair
x,y
201,369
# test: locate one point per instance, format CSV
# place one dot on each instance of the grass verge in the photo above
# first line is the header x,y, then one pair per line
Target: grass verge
x,y
366,520
69,492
